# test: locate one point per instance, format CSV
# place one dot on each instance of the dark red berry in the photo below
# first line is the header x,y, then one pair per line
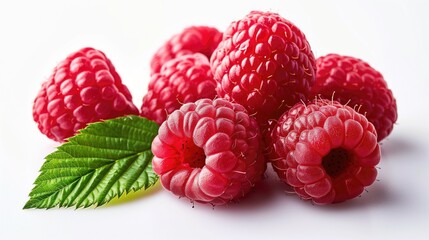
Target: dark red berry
x,y
354,82
194,39
209,151
83,88
326,151
181,80
264,62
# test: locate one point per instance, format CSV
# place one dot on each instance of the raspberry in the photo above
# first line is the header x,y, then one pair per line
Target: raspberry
x,y
181,80
264,63
209,151
202,39
83,88
354,82
326,151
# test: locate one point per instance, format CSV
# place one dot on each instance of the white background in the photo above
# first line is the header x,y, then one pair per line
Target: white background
x,y
393,36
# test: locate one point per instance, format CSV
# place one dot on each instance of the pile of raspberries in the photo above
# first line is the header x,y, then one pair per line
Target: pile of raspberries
x,y
230,103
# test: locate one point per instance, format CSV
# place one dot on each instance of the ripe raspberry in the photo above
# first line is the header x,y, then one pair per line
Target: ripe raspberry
x,y
181,80
83,88
201,39
209,151
264,63
354,82
326,151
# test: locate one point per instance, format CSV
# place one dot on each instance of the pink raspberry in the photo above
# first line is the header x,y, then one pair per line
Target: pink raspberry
x,y
209,151
181,80
83,88
326,151
265,63
194,39
354,82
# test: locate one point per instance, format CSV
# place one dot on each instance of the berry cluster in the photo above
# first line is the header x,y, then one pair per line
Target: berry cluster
x,y
229,103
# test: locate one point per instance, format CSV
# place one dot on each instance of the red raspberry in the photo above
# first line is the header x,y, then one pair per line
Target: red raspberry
x,y
326,151
264,63
354,82
181,80
209,151
201,39
83,88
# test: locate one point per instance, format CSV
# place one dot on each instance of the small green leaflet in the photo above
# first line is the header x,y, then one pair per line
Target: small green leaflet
x,y
102,161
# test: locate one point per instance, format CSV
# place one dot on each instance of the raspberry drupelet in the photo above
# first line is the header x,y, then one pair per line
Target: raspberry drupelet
x,y
326,151
209,151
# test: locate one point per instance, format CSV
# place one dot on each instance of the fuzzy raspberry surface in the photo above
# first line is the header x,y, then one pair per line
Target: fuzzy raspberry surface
x,y
326,151
193,39
354,82
181,80
209,151
83,88
264,62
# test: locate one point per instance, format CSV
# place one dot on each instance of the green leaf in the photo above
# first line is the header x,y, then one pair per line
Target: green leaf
x,y
103,161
